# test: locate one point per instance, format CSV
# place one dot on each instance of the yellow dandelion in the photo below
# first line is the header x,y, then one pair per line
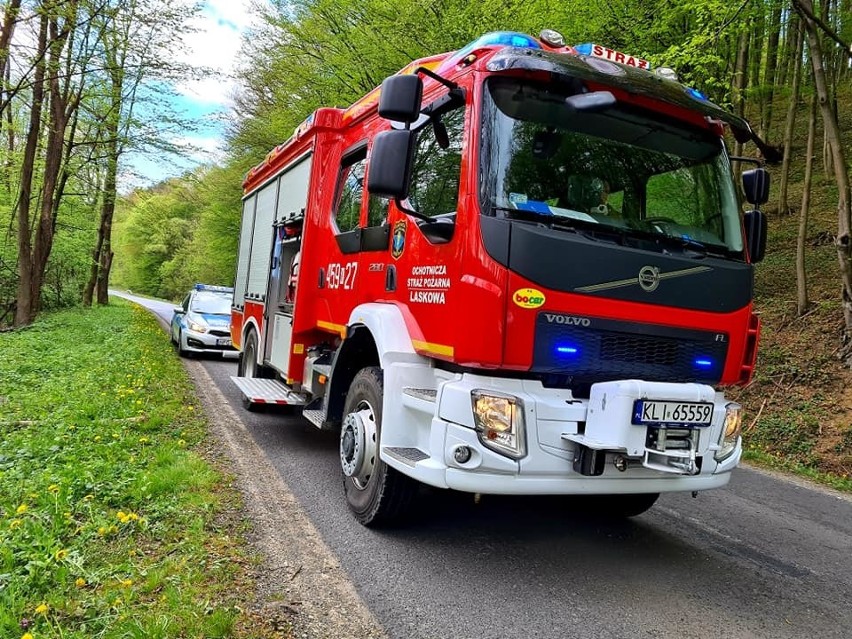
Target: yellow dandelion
x,y
127,583
133,517
181,443
115,435
60,554
15,523
88,498
80,582
121,515
97,438
190,408
102,531
117,601
41,609
22,509
26,635
143,440
53,488
132,552
72,426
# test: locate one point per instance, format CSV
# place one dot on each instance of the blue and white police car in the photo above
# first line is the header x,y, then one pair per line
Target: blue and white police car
x,y
202,324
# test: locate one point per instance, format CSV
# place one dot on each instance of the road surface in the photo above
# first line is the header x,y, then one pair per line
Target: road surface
x,y
764,557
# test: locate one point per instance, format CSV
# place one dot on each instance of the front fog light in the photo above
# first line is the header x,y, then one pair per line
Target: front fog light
x,y
730,431
499,421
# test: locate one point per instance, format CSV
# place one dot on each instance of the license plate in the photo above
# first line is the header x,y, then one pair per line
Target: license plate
x,y
223,342
654,413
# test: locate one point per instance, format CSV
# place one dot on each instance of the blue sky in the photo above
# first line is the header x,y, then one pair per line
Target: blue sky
x,y
216,45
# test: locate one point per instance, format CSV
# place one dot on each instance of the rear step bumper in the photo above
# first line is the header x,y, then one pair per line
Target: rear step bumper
x,y
267,391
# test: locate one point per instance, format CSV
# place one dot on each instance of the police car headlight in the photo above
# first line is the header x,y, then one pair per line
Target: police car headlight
x,y
731,431
499,422
194,325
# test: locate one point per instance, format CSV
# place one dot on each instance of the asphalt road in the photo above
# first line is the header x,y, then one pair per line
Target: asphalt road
x,y
764,557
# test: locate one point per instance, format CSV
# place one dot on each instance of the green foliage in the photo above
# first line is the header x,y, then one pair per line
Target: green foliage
x,y
106,511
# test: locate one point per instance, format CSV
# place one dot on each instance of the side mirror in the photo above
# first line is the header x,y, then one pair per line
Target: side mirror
x,y
756,186
755,232
390,164
178,310
400,98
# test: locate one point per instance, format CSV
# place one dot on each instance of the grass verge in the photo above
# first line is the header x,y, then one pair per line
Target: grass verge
x,y
112,524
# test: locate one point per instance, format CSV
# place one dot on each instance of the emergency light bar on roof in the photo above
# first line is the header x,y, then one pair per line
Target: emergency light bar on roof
x,y
213,289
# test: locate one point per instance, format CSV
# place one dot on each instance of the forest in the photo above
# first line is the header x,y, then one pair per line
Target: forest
x,y
74,93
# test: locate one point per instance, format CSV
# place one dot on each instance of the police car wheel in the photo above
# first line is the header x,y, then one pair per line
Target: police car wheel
x,y
179,344
376,493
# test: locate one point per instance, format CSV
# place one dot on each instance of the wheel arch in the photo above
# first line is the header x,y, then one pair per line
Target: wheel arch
x,y
376,335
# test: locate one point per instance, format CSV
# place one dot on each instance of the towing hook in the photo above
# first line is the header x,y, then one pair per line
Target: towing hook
x,y
620,463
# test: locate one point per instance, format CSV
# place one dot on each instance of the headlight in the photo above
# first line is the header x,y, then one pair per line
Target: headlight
x,y
730,431
499,421
195,326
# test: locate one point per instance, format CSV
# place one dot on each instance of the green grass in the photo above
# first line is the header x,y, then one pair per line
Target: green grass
x,y
110,524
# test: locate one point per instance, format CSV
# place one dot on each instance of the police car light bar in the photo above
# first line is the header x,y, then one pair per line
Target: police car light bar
x,y
214,289
605,53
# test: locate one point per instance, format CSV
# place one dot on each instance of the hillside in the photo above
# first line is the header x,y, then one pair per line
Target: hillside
x,y
801,397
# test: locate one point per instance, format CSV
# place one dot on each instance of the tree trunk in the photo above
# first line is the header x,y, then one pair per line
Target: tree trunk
x,y
740,81
24,313
783,204
54,153
106,255
770,71
10,17
801,276
841,173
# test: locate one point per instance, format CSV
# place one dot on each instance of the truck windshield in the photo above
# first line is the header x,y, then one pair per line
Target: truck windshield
x,y
621,171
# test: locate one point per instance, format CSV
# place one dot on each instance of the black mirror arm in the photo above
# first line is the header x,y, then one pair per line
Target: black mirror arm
x,y
412,213
742,134
427,72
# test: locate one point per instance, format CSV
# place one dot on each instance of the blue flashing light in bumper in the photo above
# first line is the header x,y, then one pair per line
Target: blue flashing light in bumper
x,y
703,363
568,349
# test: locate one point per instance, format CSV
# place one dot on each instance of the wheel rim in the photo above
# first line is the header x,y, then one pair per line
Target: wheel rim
x,y
358,444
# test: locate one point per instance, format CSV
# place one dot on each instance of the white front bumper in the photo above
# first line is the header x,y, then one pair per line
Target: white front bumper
x,y
556,425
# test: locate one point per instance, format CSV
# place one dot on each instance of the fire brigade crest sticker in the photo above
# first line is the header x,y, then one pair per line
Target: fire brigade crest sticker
x,y
398,243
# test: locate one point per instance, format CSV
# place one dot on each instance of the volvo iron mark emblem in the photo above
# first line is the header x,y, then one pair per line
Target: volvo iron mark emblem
x,y
649,278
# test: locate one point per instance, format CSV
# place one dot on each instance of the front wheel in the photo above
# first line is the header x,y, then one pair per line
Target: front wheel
x,y
376,493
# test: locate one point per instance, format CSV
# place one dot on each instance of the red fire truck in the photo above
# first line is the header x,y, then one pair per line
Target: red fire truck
x,y
517,268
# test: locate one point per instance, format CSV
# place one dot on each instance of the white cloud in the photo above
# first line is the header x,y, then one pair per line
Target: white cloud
x,y
216,45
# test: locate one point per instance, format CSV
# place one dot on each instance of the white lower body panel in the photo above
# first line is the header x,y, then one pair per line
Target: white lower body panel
x,y
428,414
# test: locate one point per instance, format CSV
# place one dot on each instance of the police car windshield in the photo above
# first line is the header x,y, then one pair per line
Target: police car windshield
x,y
621,167
211,303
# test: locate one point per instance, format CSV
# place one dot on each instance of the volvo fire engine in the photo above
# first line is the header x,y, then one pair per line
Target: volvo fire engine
x,y
521,267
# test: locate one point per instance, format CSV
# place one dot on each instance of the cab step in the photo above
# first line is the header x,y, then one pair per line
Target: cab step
x,y
267,391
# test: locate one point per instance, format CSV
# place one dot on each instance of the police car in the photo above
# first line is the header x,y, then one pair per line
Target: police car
x,y
202,324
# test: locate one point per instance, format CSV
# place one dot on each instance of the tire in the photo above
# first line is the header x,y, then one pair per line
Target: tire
x,y
376,493
624,506
247,367
179,346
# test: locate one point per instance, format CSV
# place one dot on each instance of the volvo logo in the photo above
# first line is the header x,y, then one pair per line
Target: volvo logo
x,y
568,320
649,278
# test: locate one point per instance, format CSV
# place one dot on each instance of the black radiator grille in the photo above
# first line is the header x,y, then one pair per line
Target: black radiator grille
x,y
591,350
